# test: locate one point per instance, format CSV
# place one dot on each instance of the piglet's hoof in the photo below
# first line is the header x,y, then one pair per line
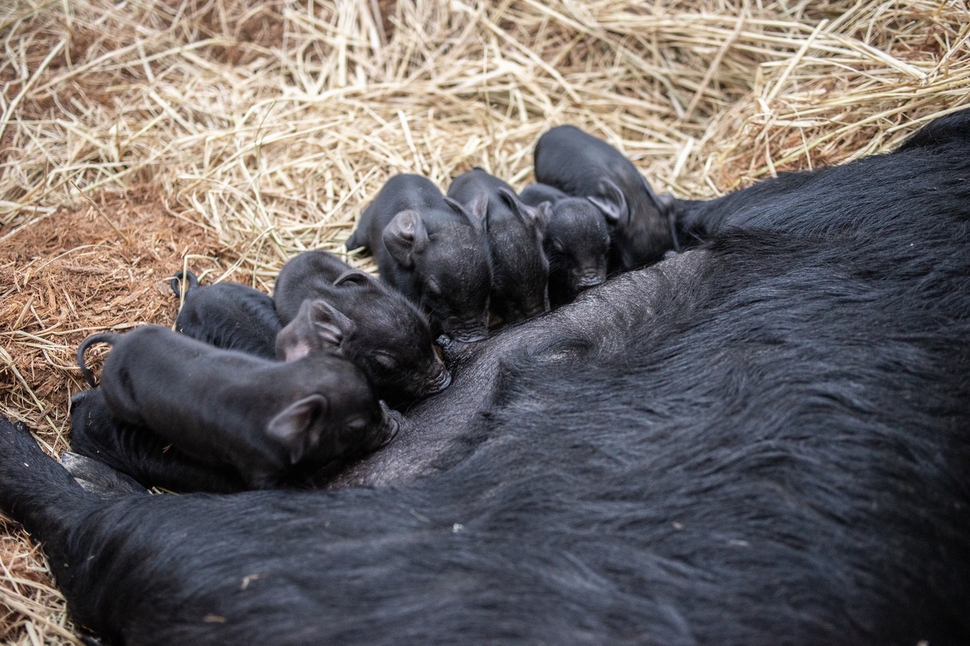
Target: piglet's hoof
x,y
441,381
391,425
99,478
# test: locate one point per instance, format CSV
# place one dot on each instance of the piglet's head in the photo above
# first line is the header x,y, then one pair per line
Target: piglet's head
x,y
345,421
577,236
450,265
394,345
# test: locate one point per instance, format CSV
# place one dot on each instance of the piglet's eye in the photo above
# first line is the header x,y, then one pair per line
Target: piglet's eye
x,y
357,424
386,360
433,286
558,245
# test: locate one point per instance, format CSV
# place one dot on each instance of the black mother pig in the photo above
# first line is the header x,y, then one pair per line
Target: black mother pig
x,y
227,315
577,241
326,303
432,250
760,441
520,270
220,406
585,166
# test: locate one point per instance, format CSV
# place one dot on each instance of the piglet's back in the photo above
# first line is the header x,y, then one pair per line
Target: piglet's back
x,y
306,276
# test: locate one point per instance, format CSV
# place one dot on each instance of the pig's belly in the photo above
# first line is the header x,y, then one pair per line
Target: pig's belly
x,y
436,429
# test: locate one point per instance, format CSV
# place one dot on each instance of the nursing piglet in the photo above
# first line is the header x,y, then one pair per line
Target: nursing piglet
x,y
433,250
577,241
220,406
227,315
520,270
585,166
325,303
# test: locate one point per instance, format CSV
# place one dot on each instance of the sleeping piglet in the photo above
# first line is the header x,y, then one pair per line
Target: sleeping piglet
x,y
431,249
514,231
327,304
577,241
227,315
139,452
220,406
585,166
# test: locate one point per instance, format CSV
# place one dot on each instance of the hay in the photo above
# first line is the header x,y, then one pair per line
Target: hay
x,y
225,136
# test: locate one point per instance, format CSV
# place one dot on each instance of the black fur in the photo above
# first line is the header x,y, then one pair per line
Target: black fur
x,y
225,407
576,242
139,452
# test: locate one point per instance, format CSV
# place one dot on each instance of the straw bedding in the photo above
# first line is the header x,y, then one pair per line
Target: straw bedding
x,y
227,135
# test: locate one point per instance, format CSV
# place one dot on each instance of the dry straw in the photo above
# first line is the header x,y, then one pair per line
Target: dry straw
x,y
226,135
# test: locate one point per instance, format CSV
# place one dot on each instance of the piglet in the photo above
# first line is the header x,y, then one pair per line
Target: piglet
x,y
227,315
584,166
327,304
577,241
433,250
139,452
219,406
520,270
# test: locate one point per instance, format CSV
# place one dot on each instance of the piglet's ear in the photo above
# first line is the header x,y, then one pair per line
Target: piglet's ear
x,y
330,324
477,214
352,277
544,216
289,346
405,236
529,215
511,199
316,326
295,426
654,198
609,199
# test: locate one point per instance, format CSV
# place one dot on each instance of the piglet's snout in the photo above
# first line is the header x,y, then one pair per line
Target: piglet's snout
x,y
439,382
590,278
